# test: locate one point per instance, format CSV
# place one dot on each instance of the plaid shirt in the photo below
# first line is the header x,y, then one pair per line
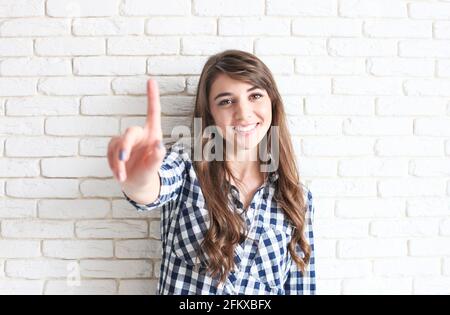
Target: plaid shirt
x,y
264,264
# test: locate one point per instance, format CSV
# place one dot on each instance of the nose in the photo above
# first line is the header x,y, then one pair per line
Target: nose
x,y
243,110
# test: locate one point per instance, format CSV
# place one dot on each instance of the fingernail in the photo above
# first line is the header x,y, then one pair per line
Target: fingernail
x,y
160,144
122,155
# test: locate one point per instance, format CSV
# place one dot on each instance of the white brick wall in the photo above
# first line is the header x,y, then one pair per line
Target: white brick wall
x,y
366,86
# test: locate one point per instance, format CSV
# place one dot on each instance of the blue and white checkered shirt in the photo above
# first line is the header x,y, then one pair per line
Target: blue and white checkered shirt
x,y
263,262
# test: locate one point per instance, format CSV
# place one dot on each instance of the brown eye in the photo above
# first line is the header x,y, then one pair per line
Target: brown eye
x,y
223,102
257,94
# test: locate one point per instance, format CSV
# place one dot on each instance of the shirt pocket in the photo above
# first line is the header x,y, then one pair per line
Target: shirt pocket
x,y
190,230
272,259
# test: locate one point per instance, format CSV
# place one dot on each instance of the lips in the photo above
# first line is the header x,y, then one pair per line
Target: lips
x,y
246,129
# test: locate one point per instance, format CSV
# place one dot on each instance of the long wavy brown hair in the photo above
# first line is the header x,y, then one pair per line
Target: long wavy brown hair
x,y
226,227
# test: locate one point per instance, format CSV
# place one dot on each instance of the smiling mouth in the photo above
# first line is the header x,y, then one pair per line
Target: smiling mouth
x,y
245,130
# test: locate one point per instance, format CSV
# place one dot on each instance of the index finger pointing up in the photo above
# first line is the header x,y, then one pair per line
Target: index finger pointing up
x,y
153,121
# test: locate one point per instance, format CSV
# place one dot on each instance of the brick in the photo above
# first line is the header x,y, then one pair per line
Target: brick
x,y
290,46
35,67
432,126
81,126
42,106
359,126
411,187
362,47
337,146
19,249
71,8
410,105
154,7
13,208
341,229
40,146
427,87
94,146
408,146
75,249
37,269
368,8
400,67
208,45
312,167
429,247
253,26
75,86
116,268
228,8
74,209
404,228
424,48
35,27
75,167
19,168
330,66
373,167
314,126
24,126
181,26
21,287
398,28
324,248
432,285
86,287
372,248
41,188
370,208
442,30
339,105
109,66
424,207
138,287
138,249
155,230
377,286
409,266
138,85
17,87
112,229
175,65
100,188
70,46
279,65
10,47
289,85
37,229
307,8
143,46
433,11
367,86
326,27
430,167
344,187
343,269
443,68
110,26
22,8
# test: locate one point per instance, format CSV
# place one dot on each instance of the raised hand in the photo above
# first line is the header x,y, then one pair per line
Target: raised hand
x,y
135,156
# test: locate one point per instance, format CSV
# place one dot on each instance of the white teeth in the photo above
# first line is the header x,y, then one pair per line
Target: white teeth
x,y
246,128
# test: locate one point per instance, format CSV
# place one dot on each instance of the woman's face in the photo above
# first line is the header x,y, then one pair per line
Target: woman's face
x,y
242,112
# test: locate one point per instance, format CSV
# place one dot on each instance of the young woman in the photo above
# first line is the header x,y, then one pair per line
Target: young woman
x,y
227,227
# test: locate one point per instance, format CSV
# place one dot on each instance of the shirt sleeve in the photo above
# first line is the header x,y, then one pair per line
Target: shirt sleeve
x,y
297,282
172,174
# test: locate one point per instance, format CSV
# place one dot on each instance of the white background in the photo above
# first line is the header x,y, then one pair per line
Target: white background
x,y
366,84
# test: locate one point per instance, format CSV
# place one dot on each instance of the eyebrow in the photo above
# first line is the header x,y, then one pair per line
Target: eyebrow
x,y
228,93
